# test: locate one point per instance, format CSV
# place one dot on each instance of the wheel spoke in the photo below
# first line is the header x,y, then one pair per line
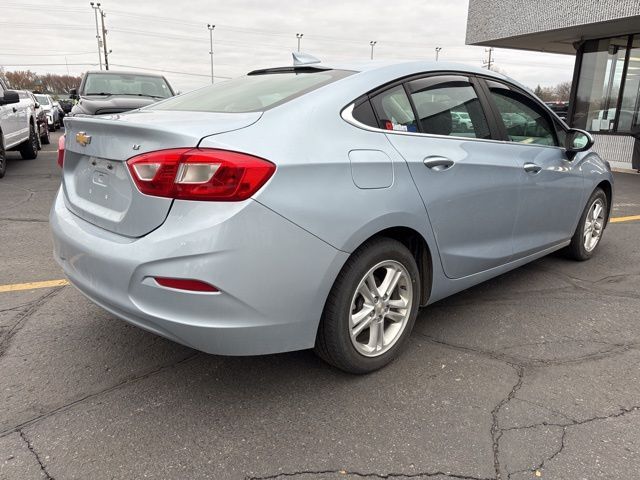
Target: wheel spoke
x,y
390,281
371,284
398,304
596,211
358,317
366,323
374,333
395,316
366,293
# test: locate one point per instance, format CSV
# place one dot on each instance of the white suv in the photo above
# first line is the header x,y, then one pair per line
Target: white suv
x,y
17,127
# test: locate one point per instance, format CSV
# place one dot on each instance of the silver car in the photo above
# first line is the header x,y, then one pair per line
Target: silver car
x,y
319,206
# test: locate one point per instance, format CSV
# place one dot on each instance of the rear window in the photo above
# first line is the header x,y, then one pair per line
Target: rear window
x,y
252,93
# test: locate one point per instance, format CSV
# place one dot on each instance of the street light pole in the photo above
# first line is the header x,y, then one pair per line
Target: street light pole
x,y
211,27
299,37
438,52
104,40
95,10
373,44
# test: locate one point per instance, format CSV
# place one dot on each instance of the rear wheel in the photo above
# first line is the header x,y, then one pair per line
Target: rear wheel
x,y
371,308
3,158
29,149
44,138
590,227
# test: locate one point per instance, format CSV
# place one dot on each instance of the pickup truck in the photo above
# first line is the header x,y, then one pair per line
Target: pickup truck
x,y
17,127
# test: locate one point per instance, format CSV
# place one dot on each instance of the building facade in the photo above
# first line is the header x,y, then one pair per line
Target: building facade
x,y
604,35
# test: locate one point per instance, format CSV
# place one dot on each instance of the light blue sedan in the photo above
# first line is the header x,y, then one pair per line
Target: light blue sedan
x,y
319,206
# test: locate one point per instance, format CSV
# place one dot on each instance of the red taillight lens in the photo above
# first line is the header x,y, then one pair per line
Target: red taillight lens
x,y
61,151
200,174
185,284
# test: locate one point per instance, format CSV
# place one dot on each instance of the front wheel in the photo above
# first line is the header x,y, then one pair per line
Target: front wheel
x,y
590,227
29,149
371,308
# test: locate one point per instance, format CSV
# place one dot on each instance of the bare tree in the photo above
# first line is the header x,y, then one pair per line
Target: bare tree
x,y
47,83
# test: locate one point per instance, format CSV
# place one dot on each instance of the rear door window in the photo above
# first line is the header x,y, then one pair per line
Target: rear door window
x,y
252,93
448,105
394,110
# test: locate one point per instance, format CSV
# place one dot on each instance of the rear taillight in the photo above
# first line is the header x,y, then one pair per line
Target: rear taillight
x,y
199,174
61,151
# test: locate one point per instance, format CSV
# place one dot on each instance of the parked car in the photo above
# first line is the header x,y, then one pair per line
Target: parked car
x,y
560,108
318,207
17,126
53,114
114,92
66,104
57,105
462,119
42,127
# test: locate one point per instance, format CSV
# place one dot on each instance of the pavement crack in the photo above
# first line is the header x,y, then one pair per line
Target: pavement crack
x,y
496,431
30,220
21,318
352,473
35,454
117,386
575,423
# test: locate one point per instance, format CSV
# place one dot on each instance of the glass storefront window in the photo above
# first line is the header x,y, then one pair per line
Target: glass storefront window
x,y
599,84
629,121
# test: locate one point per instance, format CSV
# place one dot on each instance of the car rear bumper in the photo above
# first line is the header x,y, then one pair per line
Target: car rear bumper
x,y
272,275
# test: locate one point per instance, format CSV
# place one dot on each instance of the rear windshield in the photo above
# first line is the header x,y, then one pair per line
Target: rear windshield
x,y
252,93
42,99
126,84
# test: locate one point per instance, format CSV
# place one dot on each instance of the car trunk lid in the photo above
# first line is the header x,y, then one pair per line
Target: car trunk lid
x,y
96,181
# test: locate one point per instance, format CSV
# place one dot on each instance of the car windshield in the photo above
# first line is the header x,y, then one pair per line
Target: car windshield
x,y
42,99
126,84
253,92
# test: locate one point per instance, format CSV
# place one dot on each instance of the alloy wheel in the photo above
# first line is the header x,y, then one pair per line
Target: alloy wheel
x,y
593,225
380,308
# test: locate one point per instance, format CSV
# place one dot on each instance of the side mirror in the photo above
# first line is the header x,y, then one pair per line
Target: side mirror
x,y
578,141
37,105
73,93
10,96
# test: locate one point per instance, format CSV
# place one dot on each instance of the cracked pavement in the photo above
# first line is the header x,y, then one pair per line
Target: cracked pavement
x,y
535,374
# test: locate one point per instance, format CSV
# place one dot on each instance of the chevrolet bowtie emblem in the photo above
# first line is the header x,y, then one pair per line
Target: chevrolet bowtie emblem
x,y
83,139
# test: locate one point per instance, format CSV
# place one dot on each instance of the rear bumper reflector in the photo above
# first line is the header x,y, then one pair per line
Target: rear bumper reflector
x,y
185,284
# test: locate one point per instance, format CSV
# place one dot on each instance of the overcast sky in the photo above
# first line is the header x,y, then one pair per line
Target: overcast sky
x,y
171,35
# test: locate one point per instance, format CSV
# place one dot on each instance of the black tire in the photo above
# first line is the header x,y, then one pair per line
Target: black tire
x,y
333,341
577,249
3,158
45,139
29,149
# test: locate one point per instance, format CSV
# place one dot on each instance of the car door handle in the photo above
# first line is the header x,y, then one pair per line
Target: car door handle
x,y
437,163
531,168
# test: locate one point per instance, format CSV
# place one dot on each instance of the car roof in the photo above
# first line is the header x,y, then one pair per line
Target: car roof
x,y
385,71
123,72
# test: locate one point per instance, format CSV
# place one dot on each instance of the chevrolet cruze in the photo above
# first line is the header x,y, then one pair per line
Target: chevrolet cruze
x,y
319,206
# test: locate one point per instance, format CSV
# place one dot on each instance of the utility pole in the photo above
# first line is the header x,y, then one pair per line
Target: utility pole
x,y
489,62
438,52
95,10
211,27
104,41
299,37
373,44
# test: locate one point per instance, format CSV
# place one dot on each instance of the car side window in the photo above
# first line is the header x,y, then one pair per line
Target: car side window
x,y
394,110
525,121
363,113
449,105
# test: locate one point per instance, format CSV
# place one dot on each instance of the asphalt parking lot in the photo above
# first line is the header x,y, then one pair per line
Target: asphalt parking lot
x,y
535,374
